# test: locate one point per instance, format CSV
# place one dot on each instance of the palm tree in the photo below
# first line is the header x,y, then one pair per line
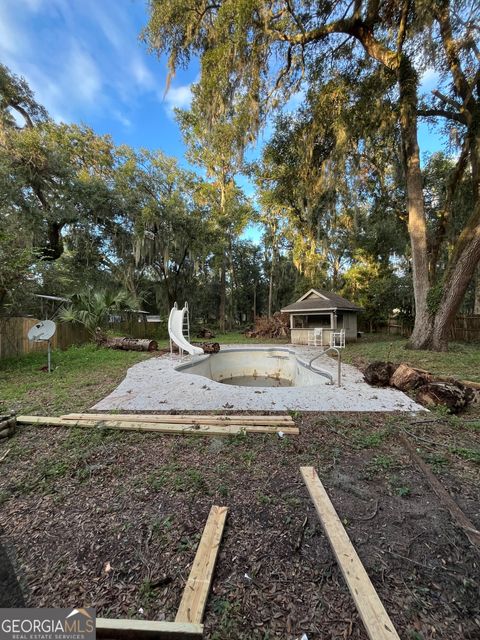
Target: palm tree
x,y
92,309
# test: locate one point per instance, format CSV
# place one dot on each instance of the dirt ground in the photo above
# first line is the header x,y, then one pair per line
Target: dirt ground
x,y
112,520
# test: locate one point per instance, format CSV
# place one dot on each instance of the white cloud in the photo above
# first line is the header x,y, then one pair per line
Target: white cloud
x,y
12,40
141,73
33,5
295,101
178,98
429,80
82,76
82,58
118,115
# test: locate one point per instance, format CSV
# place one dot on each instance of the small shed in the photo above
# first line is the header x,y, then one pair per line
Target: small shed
x,y
318,309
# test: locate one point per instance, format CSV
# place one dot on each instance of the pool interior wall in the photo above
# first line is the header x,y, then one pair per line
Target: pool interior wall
x,y
273,367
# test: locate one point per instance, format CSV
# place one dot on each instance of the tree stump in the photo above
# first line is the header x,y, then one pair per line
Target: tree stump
x,y
407,378
379,373
453,395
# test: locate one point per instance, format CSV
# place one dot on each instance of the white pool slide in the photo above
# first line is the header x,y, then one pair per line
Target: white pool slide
x,y
175,330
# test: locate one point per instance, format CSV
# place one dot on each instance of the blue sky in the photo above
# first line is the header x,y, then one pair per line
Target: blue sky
x,y
85,63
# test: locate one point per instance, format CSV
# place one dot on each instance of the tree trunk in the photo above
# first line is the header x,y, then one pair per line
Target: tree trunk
x,y
476,302
131,344
270,283
223,294
270,290
234,285
53,248
417,226
462,269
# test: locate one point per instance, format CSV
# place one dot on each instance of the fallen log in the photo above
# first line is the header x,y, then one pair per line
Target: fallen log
x,y
407,378
379,373
453,395
208,347
130,344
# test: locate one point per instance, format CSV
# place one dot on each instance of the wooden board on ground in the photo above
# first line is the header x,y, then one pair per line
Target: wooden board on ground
x,y
147,630
457,514
374,616
198,584
182,419
165,428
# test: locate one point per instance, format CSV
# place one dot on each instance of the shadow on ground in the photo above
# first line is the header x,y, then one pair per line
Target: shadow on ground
x,y
10,591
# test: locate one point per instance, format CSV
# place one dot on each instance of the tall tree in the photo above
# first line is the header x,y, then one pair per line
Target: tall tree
x,y
217,145
166,226
264,50
52,175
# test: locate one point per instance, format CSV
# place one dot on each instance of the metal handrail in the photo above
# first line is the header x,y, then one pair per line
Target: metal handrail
x,y
339,362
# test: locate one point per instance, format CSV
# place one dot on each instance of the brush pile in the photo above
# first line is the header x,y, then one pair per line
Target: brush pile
x,y
205,333
276,326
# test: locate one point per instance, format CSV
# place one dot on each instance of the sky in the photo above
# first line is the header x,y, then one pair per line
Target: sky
x,y
85,63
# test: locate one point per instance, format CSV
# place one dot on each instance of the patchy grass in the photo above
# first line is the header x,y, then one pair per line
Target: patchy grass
x,y
462,361
362,440
80,377
178,479
472,455
381,463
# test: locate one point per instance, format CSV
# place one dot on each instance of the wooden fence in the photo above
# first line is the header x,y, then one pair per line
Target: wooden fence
x,y
14,341
466,329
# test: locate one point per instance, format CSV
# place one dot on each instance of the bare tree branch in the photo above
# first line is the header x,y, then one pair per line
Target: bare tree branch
x,y
442,113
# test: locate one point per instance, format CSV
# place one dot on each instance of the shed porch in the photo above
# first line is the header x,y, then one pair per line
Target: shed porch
x,y
302,326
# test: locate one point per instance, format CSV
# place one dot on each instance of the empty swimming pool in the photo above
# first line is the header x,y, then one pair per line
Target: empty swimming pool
x,y
275,367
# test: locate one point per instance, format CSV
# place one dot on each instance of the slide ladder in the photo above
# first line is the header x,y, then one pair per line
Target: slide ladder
x,y
177,321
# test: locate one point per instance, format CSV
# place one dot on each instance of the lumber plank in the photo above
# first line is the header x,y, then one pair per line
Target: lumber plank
x,y
372,612
147,630
181,419
230,428
196,590
456,513
165,428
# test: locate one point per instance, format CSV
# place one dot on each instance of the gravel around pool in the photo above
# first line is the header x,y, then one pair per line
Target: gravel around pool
x,y
156,385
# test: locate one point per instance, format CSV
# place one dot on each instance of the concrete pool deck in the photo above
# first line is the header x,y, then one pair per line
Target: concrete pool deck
x,y
155,385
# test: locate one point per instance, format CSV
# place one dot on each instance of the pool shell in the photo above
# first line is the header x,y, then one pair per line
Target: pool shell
x,y
275,367
156,385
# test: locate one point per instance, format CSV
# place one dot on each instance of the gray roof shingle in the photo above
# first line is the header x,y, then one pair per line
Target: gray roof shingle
x,y
333,301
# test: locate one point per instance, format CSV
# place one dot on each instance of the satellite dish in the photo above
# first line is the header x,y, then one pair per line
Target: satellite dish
x,y
43,330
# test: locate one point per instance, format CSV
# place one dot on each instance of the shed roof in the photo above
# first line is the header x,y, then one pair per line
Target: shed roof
x,y
320,300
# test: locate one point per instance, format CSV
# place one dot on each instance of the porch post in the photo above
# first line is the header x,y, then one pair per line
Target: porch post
x,y
291,321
